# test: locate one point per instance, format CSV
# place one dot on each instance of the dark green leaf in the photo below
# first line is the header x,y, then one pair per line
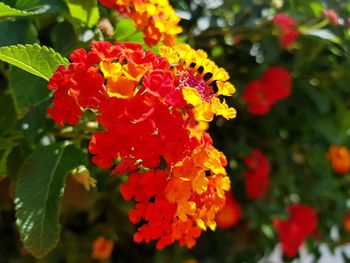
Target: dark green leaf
x,y
39,189
7,115
17,32
27,90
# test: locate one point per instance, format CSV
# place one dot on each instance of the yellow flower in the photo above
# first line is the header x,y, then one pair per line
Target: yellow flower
x,y
223,184
122,80
201,81
185,208
200,183
221,108
82,176
192,96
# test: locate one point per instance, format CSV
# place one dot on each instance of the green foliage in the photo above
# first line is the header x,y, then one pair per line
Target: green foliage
x,y
124,29
25,32
39,190
27,90
37,60
6,11
84,12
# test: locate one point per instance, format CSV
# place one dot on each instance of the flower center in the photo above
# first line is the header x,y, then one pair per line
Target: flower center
x,y
190,78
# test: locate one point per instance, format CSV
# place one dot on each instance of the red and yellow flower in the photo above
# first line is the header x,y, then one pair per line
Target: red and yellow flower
x,y
148,120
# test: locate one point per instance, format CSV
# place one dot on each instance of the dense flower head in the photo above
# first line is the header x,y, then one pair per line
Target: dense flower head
x,y
201,81
288,30
102,248
301,224
230,214
149,130
156,18
260,95
339,156
180,204
257,174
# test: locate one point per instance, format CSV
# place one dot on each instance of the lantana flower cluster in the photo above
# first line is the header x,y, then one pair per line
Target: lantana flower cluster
x,y
156,18
261,94
151,110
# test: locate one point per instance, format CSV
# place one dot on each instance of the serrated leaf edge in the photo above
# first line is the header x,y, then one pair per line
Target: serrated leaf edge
x,y
24,13
36,46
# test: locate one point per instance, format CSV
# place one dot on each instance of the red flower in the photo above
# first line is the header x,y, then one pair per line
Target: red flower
x,y
288,29
255,94
66,108
261,95
230,214
279,82
301,224
257,176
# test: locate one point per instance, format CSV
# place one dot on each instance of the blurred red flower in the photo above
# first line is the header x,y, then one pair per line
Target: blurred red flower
x,y
230,214
257,176
301,224
275,84
288,29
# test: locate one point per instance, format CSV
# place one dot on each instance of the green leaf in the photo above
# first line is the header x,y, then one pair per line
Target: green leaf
x,y
39,190
27,90
23,4
37,60
84,12
35,125
6,11
64,45
7,115
3,163
124,29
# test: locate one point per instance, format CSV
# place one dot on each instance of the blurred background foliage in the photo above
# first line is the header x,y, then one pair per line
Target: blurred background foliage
x,y
239,36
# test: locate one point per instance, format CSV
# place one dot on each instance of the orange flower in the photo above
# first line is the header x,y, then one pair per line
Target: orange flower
x,y
102,248
339,157
346,222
